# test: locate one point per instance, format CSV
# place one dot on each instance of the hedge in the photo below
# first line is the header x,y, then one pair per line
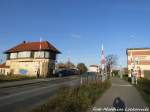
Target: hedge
x,y
144,89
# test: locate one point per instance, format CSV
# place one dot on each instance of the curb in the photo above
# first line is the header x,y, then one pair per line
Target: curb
x,y
10,84
25,83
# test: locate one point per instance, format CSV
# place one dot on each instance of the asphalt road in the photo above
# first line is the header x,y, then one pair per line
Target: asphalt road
x,y
26,97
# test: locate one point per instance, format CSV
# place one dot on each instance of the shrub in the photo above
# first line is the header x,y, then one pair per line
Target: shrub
x,y
77,99
143,87
4,78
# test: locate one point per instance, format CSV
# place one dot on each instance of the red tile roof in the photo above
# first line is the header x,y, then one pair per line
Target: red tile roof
x,y
3,65
33,46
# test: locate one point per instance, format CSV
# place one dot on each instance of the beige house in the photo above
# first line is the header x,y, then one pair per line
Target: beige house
x,y
138,59
4,69
30,58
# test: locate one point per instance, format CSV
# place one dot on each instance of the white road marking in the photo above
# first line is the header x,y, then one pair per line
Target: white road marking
x,y
123,85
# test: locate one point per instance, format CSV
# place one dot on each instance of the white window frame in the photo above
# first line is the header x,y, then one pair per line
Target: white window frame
x,y
24,54
47,54
39,54
13,55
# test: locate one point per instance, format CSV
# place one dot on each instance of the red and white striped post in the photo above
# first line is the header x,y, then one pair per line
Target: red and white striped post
x,y
103,58
102,64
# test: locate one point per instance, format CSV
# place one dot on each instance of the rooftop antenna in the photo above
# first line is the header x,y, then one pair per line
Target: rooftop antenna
x,y
39,70
40,43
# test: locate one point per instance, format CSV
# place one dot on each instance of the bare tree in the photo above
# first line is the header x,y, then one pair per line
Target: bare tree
x,y
110,61
61,65
67,65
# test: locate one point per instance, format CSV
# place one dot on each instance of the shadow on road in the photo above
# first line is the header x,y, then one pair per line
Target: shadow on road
x,y
119,104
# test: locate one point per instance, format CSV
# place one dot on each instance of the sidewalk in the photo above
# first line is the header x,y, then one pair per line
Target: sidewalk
x,y
24,82
125,91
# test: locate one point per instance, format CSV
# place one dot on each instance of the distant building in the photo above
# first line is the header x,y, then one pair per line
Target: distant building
x,y
138,59
124,70
30,58
4,69
94,68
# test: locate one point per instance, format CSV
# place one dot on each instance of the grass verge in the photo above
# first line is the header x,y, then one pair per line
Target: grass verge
x,y
8,78
78,99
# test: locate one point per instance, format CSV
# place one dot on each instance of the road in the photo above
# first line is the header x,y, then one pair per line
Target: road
x,y
128,94
26,97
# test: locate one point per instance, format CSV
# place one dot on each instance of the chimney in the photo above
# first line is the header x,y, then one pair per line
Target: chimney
x,y
24,42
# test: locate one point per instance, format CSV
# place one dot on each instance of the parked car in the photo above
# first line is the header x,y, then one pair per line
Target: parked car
x,y
66,72
74,71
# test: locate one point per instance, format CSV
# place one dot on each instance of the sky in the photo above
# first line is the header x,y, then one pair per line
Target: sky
x,y
77,28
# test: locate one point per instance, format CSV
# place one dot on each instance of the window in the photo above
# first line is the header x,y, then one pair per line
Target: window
x,y
46,54
25,54
39,54
13,55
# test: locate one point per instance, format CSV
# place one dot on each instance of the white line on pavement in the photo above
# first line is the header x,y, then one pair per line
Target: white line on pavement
x,y
126,85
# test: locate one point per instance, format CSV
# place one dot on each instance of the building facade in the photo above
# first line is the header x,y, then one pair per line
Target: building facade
x,y
4,69
31,58
138,60
94,68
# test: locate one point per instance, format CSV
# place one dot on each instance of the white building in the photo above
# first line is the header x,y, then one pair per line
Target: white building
x,y
94,68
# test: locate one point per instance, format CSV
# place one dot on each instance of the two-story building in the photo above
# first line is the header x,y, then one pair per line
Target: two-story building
x,y
30,58
138,59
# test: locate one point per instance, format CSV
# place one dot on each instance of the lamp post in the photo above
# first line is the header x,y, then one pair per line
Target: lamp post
x,y
39,68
